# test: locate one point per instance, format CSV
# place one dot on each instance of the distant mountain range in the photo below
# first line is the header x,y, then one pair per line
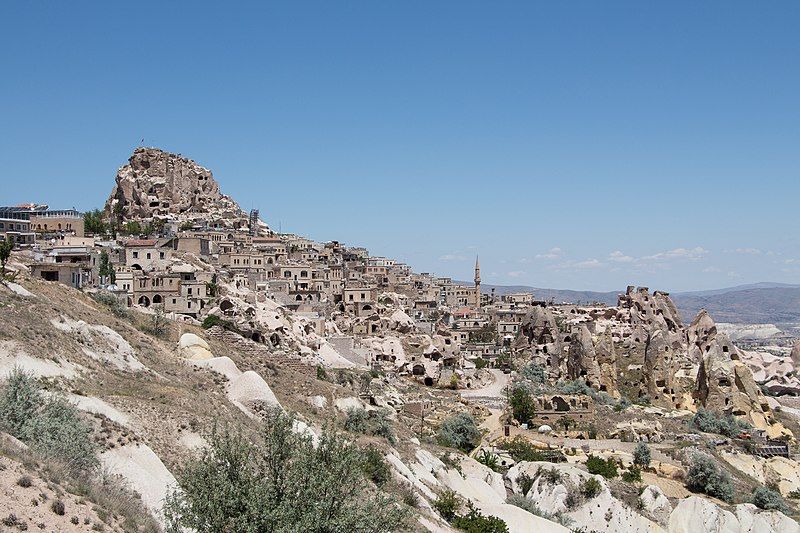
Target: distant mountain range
x,y
756,303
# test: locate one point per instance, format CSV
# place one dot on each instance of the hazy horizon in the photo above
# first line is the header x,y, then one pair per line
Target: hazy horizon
x,y
584,146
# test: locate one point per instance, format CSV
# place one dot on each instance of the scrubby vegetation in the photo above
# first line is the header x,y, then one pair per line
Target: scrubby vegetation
x,y
705,476
49,425
279,482
711,422
374,466
448,504
460,431
522,450
60,444
605,467
528,505
770,500
476,522
489,459
590,488
641,455
533,372
374,423
632,475
112,302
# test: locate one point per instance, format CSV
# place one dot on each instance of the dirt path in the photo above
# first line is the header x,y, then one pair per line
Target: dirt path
x,y
493,396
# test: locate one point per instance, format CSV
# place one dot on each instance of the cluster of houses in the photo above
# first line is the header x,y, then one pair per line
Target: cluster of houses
x,y
179,270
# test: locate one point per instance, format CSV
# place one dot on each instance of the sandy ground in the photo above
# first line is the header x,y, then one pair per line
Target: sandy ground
x,y
32,505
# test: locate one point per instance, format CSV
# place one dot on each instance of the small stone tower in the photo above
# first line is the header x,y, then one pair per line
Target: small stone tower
x,y
477,283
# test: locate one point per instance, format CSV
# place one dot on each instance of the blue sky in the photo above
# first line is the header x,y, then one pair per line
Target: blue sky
x,y
583,145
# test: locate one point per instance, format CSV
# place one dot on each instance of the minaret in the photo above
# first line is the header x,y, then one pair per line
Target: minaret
x,y
477,283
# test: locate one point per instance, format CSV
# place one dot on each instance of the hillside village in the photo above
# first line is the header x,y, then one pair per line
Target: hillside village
x,y
172,309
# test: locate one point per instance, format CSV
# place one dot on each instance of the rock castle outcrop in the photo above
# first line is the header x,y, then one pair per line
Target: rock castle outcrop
x,y
163,186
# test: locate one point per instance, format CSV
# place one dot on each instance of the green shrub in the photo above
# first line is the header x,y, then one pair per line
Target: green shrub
x,y
622,404
525,483
210,321
641,455
480,363
58,507
770,500
375,423
52,427
447,505
475,522
112,302
605,467
408,495
522,450
19,400
795,494
381,426
278,482
711,422
529,505
459,431
632,475
590,488
25,481
322,375
705,476
489,459
551,476
533,372
374,466
522,406
356,421
57,432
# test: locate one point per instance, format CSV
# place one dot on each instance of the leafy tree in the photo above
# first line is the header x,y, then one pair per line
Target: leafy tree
x,y
770,500
278,482
705,476
5,252
94,222
132,227
522,407
106,269
641,455
459,431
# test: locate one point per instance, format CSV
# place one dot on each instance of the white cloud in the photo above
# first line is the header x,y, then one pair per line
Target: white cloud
x,y
691,254
452,257
711,269
552,253
748,251
586,264
516,273
618,257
